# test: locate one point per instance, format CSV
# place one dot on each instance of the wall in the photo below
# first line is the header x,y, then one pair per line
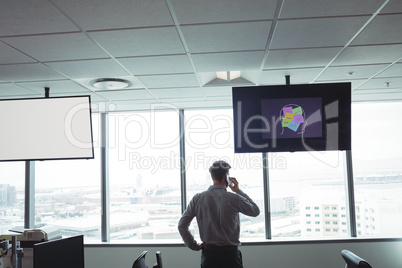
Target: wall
x,y
315,254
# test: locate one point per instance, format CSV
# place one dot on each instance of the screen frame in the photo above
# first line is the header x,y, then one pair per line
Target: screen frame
x,y
247,103
51,244
89,155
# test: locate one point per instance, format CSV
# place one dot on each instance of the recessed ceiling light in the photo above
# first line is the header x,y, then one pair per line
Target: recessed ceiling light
x,y
110,83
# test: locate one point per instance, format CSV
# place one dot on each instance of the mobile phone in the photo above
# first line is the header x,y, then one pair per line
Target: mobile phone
x,y
228,180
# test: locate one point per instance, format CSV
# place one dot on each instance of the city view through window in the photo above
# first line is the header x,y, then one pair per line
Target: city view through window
x,y
307,190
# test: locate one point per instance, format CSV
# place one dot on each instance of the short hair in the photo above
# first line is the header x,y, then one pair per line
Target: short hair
x,y
219,169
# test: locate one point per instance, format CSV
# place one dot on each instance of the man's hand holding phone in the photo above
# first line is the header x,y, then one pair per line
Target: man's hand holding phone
x,y
233,183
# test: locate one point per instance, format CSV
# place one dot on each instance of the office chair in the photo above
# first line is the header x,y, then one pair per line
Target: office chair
x,y
354,261
140,261
158,263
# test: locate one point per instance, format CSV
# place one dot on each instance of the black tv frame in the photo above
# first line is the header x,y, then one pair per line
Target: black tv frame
x,y
61,253
335,114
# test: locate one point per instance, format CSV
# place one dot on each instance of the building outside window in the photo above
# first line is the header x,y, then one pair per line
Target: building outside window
x,y
377,170
12,196
144,159
67,194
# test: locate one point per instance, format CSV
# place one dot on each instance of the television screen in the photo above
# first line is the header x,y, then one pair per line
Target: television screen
x,y
46,128
60,253
289,118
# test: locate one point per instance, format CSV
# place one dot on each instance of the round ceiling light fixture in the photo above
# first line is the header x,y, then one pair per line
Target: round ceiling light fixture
x,y
110,83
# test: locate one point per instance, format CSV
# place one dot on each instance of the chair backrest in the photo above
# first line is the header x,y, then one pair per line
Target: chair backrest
x,y
140,261
354,261
158,260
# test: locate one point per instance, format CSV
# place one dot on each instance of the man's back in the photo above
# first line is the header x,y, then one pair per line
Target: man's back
x,y
217,214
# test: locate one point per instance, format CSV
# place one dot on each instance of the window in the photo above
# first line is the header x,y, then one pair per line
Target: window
x,y
311,179
144,162
144,172
67,193
209,137
12,196
377,151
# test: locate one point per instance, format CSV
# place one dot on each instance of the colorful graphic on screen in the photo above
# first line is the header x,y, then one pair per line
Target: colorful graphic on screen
x,y
292,118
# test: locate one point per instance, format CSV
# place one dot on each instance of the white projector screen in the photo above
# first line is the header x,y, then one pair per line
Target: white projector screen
x,y
46,129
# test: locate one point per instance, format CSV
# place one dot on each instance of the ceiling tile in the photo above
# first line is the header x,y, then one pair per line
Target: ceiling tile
x,y
354,83
385,96
31,72
373,33
55,87
218,91
138,105
158,64
105,68
178,93
297,58
200,104
106,14
206,11
10,55
297,76
94,97
172,80
350,72
57,47
116,95
9,90
226,36
312,8
394,6
319,32
32,17
383,82
140,42
394,70
228,61
355,55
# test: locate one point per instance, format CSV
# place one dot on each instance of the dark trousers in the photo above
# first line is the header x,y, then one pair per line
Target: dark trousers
x,y
221,259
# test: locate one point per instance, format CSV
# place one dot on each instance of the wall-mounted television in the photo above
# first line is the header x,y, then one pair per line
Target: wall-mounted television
x,y
290,118
46,129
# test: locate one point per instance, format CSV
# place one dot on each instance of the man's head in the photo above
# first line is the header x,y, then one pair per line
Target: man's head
x,y
219,169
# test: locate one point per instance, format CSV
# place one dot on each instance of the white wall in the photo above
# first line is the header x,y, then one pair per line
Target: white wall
x,y
380,254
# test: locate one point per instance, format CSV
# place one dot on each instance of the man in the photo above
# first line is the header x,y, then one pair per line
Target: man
x,y
217,213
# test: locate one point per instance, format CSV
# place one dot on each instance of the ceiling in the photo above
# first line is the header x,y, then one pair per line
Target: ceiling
x,y
170,50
